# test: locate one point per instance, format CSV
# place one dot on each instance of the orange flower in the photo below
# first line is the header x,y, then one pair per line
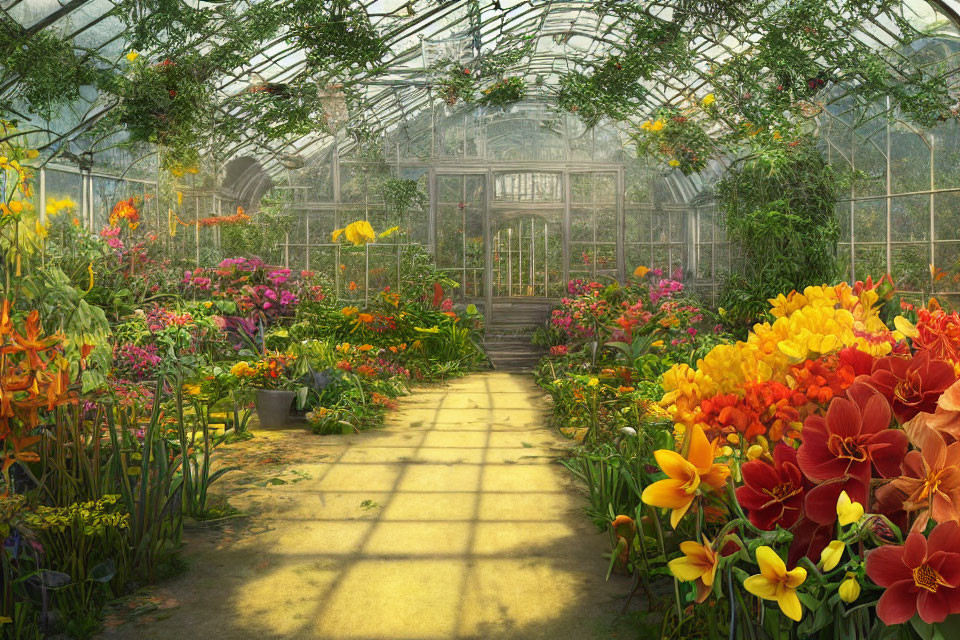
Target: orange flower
x,y
685,475
365,318
699,563
352,286
365,347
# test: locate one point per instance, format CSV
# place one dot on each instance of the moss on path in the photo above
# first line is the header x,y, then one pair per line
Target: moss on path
x,y
454,521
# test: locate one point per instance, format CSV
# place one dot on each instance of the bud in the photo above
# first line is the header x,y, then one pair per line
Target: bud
x,y
754,452
849,589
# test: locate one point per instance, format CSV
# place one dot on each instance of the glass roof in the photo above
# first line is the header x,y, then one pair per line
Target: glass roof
x,y
551,38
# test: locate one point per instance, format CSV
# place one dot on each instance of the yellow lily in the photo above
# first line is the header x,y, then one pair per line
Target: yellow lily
x,y
699,562
774,582
684,475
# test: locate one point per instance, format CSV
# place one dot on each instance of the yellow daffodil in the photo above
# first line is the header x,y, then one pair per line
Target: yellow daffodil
x,y
848,512
775,583
685,475
699,562
831,555
849,589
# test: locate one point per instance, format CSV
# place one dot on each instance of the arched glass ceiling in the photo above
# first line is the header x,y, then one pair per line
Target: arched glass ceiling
x,y
560,36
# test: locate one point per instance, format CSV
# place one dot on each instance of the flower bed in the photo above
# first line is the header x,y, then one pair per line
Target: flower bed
x,y
804,482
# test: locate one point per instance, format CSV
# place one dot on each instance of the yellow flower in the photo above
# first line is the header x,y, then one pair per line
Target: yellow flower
x,y
905,327
699,562
349,311
656,343
709,99
41,229
674,163
336,235
774,582
90,274
360,233
131,56
593,382
191,389
831,555
848,512
33,154
641,271
850,588
685,476
389,232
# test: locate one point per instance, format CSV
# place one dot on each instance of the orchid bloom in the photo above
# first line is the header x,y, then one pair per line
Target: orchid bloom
x,y
685,475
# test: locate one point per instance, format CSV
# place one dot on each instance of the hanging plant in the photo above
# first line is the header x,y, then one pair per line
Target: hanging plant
x,y
335,34
459,83
676,138
48,70
504,92
168,104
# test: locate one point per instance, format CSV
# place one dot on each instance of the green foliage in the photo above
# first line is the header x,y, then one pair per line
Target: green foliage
x,y
263,236
458,83
779,211
400,195
168,104
335,34
48,69
503,92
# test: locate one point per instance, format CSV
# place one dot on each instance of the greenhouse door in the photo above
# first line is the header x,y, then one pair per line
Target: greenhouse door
x,y
527,256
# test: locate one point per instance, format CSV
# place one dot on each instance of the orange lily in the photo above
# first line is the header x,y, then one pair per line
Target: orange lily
x,y
699,562
685,475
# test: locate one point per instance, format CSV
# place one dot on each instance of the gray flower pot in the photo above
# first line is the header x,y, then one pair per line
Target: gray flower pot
x,y
273,406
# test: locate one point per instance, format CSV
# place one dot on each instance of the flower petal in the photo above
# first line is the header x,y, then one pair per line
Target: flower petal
x,y
761,587
885,566
898,603
934,606
771,565
790,604
668,493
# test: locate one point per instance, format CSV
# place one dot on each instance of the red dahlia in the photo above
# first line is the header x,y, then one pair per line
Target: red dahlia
x,y
773,494
912,385
838,451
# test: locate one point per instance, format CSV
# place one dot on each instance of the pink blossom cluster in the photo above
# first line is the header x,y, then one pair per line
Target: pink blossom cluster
x,y
665,288
135,362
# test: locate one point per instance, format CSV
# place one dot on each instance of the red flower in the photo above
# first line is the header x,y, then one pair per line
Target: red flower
x,y
912,385
921,576
837,451
773,494
938,333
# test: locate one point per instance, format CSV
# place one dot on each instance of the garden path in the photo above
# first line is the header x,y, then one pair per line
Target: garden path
x,y
453,521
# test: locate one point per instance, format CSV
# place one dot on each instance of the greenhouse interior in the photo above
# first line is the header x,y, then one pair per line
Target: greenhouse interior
x,y
480,319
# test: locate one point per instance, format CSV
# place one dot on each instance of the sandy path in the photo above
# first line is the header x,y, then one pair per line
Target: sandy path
x,y
454,521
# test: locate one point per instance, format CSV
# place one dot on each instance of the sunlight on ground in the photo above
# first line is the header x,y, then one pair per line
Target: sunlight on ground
x,y
453,522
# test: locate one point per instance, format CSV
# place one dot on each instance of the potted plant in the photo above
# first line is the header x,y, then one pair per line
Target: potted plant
x,y
268,376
